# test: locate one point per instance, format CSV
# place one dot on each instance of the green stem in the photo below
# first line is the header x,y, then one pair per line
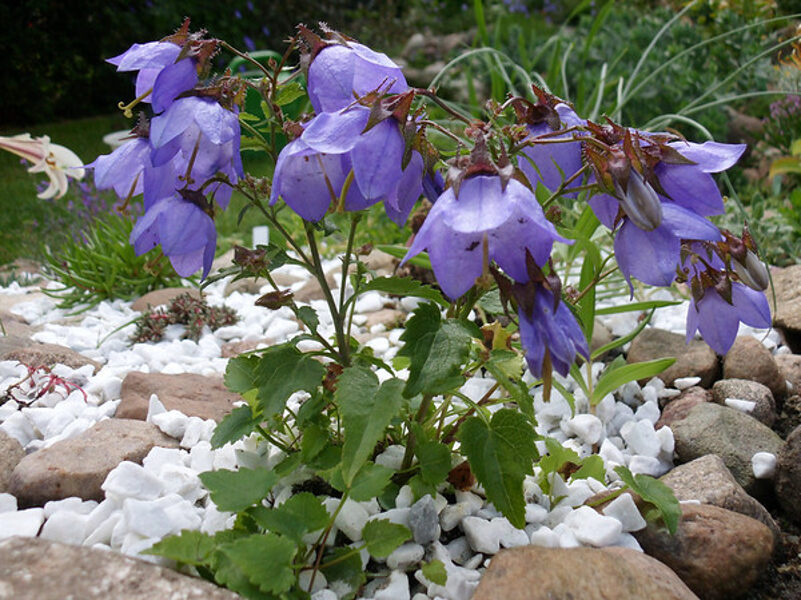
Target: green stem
x,y
322,539
354,221
410,440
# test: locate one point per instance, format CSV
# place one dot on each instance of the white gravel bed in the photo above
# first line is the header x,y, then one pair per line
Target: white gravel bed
x,y
145,503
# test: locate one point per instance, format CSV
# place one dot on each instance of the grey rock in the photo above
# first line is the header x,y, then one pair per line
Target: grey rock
x,y
678,408
11,452
35,568
708,480
534,573
788,475
787,317
749,359
753,391
695,359
78,466
790,369
424,521
718,553
248,285
713,429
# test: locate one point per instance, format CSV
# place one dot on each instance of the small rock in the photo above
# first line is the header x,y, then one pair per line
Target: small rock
x,y
788,475
787,317
742,389
352,519
695,359
592,528
705,534
713,429
587,427
423,520
11,452
678,408
621,573
624,509
482,535
790,369
749,359
390,317
395,588
194,395
764,465
161,297
45,570
78,466
25,523
405,556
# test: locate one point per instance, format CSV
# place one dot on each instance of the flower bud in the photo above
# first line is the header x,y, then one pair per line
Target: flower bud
x,y
275,300
752,272
640,202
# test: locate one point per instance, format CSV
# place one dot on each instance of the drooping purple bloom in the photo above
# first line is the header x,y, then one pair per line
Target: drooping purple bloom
x,y
313,169
550,330
550,164
510,220
122,169
339,73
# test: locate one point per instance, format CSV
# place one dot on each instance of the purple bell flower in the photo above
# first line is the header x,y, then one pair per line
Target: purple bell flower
x,y
551,330
122,169
340,73
511,220
554,162
313,169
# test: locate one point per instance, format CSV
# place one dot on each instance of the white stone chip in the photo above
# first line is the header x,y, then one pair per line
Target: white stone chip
x,y
587,427
594,529
483,536
154,407
405,555
8,503
351,520
25,523
746,406
764,465
129,480
545,538
65,527
641,438
625,510
682,383
172,422
396,588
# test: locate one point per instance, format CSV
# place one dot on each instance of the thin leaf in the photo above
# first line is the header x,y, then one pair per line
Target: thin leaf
x,y
614,378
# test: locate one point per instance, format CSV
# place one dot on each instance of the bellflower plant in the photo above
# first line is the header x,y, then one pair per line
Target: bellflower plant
x,y
321,405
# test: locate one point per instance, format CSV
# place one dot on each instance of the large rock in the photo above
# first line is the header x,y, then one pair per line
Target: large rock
x,y
788,476
78,466
161,297
680,407
749,359
35,354
708,480
11,452
718,553
192,394
534,573
713,429
35,568
790,369
787,317
743,389
695,359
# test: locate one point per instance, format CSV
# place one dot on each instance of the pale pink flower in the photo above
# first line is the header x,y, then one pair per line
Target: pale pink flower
x,y
57,162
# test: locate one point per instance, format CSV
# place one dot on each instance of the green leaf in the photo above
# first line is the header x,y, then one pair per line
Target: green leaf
x,y
435,572
299,515
370,482
309,317
617,342
188,547
613,378
315,438
234,426
501,454
383,537
434,459
366,412
655,492
557,456
240,374
421,260
282,371
288,93
237,490
591,466
437,350
785,164
491,302
635,306
265,560
405,286
343,564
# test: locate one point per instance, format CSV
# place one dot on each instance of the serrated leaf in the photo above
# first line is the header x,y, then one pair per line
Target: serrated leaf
x,y
501,454
234,426
435,572
315,438
613,378
370,482
288,93
405,286
282,371
266,561
299,515
366,412
591,466
434,459
655,492
240,373
491,302
383,537
343,564
188,547
437,350
237,490
309,317
557,456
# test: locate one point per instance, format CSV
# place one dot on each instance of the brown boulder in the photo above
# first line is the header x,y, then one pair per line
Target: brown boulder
x,y
790,369
162,296
752,391
787,318
718,553
680,407
695,359
192,394
38,568
11,452
79,466
749,359
788,475
35,354
534,573
708,480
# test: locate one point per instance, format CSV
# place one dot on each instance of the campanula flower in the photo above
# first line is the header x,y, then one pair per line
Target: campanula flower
x,y
545,328
122,169
335,151
55,161
510,220
341,72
